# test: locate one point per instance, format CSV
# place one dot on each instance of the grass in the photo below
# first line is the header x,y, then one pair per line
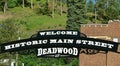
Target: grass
x,y
36,22
43,22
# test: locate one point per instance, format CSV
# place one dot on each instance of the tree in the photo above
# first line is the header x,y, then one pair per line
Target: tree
x,y
61,9
4,5
113,10
53,8
75,17
12,3
95,11
90,11
90,6
106,10
100,7
31,4
45,7
76,14
23,3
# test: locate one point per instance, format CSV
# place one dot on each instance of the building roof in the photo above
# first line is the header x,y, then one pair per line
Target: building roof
x,y
112,29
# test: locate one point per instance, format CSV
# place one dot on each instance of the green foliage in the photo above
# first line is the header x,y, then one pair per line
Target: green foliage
x,y
76,11
29,60
113,10
90,6
12,3
74,62
43,1
8,30
102,11
1,5
45,22
107,10
44,9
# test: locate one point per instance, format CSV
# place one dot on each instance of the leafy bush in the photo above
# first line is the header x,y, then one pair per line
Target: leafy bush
x,y
44,9
12,3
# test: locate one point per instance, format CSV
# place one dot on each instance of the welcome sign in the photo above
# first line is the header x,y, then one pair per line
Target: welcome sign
x,y
59,43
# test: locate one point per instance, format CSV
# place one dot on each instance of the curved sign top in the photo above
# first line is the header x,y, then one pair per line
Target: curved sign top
x,y
59,43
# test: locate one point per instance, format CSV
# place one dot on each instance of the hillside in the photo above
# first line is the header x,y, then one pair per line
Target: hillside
x,y
32,21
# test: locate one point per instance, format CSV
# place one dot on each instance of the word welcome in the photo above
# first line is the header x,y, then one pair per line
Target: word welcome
x,y
45,33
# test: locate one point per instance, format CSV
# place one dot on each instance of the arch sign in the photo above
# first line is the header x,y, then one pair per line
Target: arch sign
x,y
59,43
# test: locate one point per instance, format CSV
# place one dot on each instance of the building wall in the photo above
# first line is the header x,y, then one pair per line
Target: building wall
x,y
108,31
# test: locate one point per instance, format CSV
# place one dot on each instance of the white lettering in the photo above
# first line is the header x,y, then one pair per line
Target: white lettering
x,y
61,41
7,47
29,43
42,33
78,42
97,43
69,51
90,43
75,52
103,45
84,41
110,45
59,33
39,52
